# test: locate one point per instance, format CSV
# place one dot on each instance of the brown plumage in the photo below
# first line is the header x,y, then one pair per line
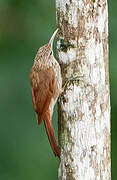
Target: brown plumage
x,y
46,85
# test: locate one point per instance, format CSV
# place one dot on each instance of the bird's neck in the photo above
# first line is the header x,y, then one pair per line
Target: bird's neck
x,y
44,63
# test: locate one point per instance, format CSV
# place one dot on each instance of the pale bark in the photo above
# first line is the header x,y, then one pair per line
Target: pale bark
x,y
84,106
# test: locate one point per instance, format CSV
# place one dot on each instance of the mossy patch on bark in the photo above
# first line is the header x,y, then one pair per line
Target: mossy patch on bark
x,y
65,45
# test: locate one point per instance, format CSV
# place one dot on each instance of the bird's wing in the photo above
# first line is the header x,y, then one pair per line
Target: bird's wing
x,y
43,88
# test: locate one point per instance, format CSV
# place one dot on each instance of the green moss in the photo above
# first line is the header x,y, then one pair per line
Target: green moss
x,y
65,45
76,82
74,79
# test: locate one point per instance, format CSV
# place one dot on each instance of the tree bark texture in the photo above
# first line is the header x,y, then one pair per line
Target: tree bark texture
x,y
84,105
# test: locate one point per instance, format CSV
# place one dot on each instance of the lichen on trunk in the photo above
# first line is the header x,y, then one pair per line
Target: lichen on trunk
x,y
84,106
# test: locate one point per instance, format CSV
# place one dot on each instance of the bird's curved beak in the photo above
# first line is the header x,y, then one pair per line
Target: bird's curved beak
x,y
52,38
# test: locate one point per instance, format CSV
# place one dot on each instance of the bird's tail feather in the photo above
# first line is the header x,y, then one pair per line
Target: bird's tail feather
x,y
50,133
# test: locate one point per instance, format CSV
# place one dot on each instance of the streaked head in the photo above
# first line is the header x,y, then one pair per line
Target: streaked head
x,y
46,51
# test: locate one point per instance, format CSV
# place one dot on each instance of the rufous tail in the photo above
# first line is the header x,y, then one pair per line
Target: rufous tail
x,y
50,133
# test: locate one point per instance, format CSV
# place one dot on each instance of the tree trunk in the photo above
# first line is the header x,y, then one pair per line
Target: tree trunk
x,y
84,106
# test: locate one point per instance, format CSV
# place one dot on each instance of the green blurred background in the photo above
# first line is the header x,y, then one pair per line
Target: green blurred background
x,y
24,149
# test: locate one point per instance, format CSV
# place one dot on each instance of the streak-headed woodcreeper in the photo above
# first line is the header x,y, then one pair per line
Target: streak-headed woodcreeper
x,y
46,86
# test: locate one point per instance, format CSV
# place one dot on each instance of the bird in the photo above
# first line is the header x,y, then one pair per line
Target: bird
x,y
46,87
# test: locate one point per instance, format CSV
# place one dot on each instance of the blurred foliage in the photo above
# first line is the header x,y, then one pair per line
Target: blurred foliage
x,y
25,152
